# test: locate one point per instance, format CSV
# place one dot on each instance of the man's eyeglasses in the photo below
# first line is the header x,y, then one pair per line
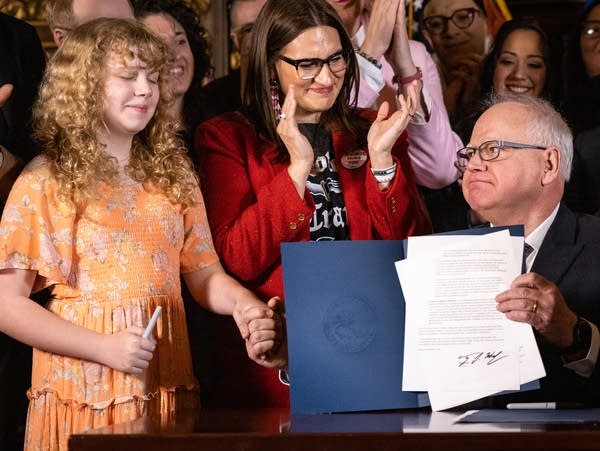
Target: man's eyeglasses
x,y
309,68
591,29
489,150
462,18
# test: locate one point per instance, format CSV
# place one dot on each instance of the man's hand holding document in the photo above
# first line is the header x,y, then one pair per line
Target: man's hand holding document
x,y
457,346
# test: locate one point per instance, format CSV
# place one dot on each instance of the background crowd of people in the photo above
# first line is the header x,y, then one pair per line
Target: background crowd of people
x,y
138,180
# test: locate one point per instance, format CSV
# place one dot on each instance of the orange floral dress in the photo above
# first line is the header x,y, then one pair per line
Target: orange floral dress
x,y
108,268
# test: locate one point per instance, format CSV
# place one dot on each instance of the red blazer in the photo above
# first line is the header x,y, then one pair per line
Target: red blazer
x,y
253,206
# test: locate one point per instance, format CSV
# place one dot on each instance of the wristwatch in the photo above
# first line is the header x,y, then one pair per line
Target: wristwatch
x,y
582,338
581,356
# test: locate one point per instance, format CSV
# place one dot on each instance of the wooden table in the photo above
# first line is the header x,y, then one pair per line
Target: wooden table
x,y
276,429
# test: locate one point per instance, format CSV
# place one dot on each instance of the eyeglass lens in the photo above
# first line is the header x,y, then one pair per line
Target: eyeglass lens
x,y
462,18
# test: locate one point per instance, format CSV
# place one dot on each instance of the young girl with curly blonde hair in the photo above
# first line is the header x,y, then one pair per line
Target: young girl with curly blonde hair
x,y
107,217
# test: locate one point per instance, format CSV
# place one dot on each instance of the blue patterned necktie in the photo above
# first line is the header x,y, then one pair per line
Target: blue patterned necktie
x,y
527,250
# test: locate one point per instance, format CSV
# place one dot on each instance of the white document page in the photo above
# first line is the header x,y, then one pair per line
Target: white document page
x,y
420,280
531,365
456,342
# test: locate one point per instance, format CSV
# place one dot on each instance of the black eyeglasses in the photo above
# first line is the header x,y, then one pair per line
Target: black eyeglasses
x,y
462,18
489,150
308,68
591,29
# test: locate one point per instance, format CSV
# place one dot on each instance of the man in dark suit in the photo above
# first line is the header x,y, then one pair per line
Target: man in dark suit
x,y
516,165
22,63
225,93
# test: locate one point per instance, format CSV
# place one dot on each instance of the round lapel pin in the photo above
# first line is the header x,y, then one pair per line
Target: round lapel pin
x,y
354,159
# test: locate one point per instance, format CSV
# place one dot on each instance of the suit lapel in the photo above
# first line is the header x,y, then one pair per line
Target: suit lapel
x,y
559,248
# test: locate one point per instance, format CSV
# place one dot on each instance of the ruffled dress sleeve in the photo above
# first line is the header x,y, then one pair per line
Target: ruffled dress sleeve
x,y
36,231
198,250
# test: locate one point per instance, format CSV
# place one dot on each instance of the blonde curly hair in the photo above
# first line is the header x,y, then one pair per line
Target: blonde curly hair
x,y
69,114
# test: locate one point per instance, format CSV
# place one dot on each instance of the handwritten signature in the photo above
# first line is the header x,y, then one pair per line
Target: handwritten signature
x,y
488,358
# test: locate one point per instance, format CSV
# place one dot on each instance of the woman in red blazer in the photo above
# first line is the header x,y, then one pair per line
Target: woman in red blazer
x,y
300,162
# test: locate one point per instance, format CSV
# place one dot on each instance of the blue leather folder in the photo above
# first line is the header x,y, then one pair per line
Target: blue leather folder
x,y
345,326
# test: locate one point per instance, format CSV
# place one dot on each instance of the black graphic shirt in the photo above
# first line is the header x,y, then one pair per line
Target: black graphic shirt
x,y
329,220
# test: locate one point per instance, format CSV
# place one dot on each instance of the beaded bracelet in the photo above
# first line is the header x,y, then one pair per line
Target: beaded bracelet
x,y
418,75
369,58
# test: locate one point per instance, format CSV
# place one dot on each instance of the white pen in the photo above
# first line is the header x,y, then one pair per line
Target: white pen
x,y
152,322
544,405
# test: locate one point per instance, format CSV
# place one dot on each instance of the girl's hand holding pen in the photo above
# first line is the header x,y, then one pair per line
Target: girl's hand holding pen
x,y
127,350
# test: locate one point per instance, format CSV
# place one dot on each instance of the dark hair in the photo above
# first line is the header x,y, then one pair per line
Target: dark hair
x,y
479,4
491,60
577,82
279,23
197,38
575,72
